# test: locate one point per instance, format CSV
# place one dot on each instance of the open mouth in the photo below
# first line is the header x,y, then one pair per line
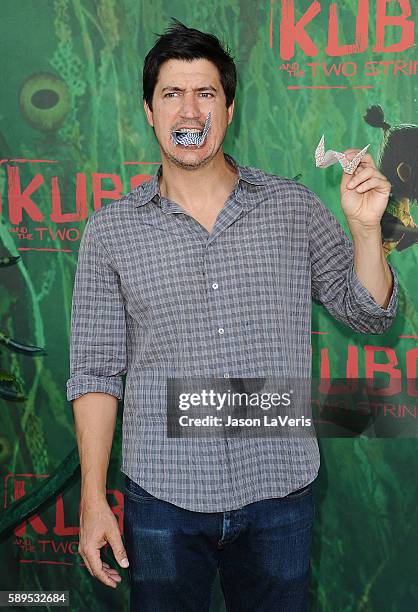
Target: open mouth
x,y
191,136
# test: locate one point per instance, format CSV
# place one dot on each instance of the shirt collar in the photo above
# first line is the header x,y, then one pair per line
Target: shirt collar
x,y
149,189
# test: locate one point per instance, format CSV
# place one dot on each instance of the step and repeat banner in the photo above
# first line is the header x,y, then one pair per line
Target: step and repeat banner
x,y
73,136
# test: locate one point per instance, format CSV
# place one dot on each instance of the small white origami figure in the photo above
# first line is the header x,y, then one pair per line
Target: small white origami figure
x,y
323,158
188,137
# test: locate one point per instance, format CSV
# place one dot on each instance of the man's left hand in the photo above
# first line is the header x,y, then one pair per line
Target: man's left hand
x,y
364,194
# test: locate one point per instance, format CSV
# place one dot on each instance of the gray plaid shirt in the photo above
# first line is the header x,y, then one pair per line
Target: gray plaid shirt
x,y
157,295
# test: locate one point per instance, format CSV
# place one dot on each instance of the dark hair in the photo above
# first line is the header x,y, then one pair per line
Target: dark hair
x,y
183,43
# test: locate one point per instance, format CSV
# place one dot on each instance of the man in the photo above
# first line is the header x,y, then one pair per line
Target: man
x,y
208,270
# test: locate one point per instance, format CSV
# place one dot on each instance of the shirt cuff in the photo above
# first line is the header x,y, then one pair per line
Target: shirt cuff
x,y
85,383
365,299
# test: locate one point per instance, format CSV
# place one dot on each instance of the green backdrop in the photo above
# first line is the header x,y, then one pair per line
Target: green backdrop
x,y
71,111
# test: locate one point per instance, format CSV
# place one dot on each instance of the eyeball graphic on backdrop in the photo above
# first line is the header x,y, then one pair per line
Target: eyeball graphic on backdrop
x,y
45,101
188,137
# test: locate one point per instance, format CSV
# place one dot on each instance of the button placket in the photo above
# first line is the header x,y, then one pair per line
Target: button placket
x,y
214,286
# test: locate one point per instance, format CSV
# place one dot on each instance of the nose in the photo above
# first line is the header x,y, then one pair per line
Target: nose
x,y
190,108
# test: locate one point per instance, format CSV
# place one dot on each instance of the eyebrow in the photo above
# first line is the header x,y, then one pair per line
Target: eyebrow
x,y
173,88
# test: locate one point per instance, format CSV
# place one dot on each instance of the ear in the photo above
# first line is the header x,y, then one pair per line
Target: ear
x,y
148,113
230,111
404,171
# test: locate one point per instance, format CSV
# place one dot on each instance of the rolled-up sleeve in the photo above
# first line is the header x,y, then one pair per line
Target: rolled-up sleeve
x,y
334,280
98,325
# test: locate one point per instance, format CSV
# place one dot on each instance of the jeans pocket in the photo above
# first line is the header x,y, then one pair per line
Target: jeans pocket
x,y
300,492
136,492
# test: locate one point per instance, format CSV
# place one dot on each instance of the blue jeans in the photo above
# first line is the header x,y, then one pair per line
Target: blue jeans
x,y
262,552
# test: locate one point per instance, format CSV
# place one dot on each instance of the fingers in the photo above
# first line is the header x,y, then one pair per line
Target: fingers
x,y
374,183
86,561
362,174
99,527
87,564
97,570
115,541
111,571
368,178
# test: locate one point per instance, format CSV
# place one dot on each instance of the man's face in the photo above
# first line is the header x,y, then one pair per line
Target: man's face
x,y
184,94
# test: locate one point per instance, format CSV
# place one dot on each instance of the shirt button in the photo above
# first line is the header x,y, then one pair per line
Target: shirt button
x,y
221,330
215,286
226,374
